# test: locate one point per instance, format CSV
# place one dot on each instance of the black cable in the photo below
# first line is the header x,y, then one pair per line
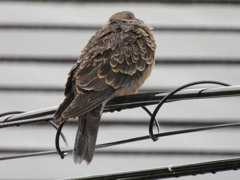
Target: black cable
x,y
7,123
10,113
28,155
126,102
170,133
173,171
169,95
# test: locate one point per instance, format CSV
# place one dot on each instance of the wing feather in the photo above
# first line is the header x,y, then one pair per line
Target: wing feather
x,y
83,103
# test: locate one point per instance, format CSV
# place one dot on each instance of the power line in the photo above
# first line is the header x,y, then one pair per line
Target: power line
x,y
138,100
165,122
51,89
173,171
136,152
126,102
130,140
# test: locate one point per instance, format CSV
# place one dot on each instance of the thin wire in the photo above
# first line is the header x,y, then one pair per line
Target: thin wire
x,y
169,95
170,133
130,140
28,155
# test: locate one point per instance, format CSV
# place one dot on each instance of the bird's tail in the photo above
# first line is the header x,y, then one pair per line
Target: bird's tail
x,y
86,135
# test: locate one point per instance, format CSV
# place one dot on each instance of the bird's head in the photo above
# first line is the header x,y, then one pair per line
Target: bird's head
x,y
123,16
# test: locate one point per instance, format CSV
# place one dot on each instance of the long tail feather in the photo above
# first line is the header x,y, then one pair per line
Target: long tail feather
x,y
86,136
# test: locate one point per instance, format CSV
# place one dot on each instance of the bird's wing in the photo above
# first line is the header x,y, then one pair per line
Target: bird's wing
x,y
117,58
111,60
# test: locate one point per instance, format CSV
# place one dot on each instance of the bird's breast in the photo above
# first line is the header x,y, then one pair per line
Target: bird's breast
x,y
136,83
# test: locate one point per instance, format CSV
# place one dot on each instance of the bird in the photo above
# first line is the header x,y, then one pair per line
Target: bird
x,y
115,62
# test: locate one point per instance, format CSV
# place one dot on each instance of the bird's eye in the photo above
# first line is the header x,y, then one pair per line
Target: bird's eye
x,y
129,17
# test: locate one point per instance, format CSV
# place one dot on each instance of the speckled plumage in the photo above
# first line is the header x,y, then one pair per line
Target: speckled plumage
x,y
116,61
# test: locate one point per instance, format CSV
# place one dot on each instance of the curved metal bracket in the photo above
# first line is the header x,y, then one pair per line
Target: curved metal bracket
x,y
170,94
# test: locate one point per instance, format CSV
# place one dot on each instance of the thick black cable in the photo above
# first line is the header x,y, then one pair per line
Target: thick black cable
x,y
126,102
173,171
10,113
169,95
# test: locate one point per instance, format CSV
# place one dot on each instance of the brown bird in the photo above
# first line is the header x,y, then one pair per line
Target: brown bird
x,y
115,62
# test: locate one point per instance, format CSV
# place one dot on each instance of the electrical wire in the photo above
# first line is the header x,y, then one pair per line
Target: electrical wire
x,y
10,113
172,171
130,140
125,102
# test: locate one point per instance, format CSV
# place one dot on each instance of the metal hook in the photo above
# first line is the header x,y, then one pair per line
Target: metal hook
x,y
150,114
61,133
156,110
61,153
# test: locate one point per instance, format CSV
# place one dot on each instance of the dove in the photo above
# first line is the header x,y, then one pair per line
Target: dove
x,y
115,62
